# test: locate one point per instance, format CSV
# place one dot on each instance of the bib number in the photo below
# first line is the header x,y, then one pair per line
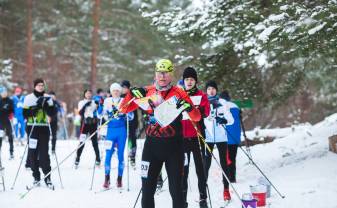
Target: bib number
x,y
144,169
2,133
32,143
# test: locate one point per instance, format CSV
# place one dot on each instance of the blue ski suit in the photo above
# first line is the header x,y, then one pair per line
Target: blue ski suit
x,y
19,122
116,133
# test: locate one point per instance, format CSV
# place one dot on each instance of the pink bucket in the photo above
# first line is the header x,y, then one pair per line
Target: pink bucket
x,y
259,192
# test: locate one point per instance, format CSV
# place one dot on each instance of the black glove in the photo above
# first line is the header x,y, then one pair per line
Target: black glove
x,y
220,120
87,104
186,105
34,110
42,102
138,92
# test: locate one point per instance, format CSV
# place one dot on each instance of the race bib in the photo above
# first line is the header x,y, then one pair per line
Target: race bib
x,y
2,133
19,105
83,137
108,144
32,143
186,160
196,100
144,169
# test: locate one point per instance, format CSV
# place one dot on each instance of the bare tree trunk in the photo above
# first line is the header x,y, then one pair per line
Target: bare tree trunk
x,y
29,58
93,77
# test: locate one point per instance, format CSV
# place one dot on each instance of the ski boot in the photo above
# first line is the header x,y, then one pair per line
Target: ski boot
x,y
49,184
203,203
106,184
11,156
36,182
160,183
226,195
119,182
98,163
77,162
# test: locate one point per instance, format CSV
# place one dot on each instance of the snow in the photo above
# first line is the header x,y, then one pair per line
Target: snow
x,y
298,163
264,36
316,29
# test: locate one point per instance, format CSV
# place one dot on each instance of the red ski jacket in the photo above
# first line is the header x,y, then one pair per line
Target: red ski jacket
x,y
155,130
201,102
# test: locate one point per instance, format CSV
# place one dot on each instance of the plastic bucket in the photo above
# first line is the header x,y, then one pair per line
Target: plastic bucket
x,y
248,201
259,193
263,181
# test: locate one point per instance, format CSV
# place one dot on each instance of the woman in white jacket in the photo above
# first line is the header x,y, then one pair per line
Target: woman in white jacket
x,y
216,134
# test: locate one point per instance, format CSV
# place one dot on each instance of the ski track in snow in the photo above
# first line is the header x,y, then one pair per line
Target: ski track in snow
x,y
298,164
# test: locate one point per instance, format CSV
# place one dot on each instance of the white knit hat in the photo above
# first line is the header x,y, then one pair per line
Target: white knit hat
x,y
115,86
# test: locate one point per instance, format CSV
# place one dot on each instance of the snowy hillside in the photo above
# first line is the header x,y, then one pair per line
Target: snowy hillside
x,y
299,164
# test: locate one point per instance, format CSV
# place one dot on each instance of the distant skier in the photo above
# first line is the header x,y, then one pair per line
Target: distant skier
x,y
162,144
54,121
89,122
234,136
116,135
6,109
216,134
36,109
191,141
19,121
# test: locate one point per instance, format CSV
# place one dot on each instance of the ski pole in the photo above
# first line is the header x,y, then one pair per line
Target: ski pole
x,y
68,156
262,173
23,155
140,191
217,162
1,173
245,136
92,177
209,196
54,153
127,136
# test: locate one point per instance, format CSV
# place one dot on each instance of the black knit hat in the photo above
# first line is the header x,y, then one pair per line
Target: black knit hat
x,y
212,84
38,81
225,95
126,83
190,72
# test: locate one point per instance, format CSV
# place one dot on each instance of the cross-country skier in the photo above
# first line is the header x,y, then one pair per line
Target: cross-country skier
x,y
234,136
36,109
19,121
191,141
116,135
6,109
215,132
133,125
162,144
87,109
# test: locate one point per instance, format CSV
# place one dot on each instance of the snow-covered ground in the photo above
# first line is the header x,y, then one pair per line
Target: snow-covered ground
x,y
299,164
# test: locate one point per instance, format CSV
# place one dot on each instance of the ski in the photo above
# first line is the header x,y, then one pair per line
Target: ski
x,y
29,188
103,190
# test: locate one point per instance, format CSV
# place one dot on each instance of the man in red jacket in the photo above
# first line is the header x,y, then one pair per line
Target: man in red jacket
x,y
162,144
191,141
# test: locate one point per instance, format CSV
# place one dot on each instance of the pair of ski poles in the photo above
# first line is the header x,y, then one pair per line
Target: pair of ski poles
x,y
24,153
71,153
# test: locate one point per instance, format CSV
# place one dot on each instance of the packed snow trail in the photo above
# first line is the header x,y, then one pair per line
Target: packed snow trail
x,y
299,164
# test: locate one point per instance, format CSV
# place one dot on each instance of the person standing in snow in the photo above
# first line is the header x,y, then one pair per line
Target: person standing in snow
x,y
133,125
116,135
163,145
6,109
89,121
215,132
19,121
233,135
191,140
36,109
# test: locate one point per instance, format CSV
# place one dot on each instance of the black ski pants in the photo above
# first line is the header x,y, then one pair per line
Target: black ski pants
x,y
6,126
156,152
89,129
232,152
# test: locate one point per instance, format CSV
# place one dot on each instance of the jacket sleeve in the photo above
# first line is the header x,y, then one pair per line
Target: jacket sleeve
x,y
127,106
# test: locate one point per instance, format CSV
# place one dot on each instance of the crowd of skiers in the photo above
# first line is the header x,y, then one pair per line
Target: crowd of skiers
x,y
208,119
